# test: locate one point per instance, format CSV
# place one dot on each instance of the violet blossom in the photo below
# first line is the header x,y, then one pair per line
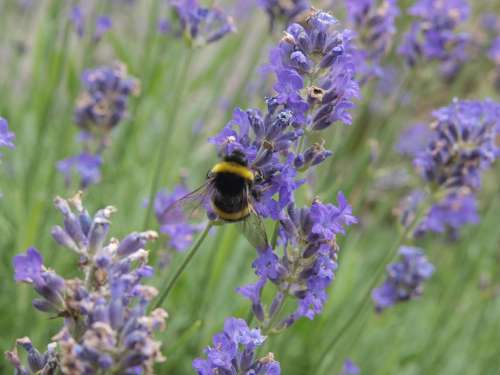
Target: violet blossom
x,y
374,24
461,146
404,278
202,25
101,106
434,35
233,352
105,324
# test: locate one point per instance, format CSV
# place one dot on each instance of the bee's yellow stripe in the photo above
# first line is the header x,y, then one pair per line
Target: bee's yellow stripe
x,y
232,216
229,167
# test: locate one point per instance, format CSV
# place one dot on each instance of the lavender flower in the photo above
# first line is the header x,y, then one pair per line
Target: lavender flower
x,y
86,165
6,136
103,103
319,53
100,107
233,352
460,147
45,363
77,17
106,325
307,268
284,10
202,25
102,25
463,144
433,36
350,368
374,24
404,279
173,223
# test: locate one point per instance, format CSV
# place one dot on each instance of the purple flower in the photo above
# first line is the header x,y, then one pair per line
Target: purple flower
x,y
462,145
233,351
77,18
285,11
308,265
254,292
350,368
173,222
86,165
6,136
103,103
28,266
433,36
318,52
374,24
106,324
202,25
404,278
453,212
102,25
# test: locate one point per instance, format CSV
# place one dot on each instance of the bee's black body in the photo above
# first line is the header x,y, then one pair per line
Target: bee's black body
x,y
230,190
231,184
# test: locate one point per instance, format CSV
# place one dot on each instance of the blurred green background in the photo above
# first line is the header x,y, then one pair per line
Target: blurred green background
x,y
453,329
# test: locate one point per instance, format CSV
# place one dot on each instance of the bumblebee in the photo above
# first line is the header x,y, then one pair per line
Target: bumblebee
x,y
228,193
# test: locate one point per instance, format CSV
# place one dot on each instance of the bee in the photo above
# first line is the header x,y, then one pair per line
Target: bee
x,y
228,193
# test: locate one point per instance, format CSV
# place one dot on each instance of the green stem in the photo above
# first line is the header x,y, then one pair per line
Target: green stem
x,y
174,110
184,264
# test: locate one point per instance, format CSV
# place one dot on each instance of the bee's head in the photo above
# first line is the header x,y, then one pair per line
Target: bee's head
x,y
238,157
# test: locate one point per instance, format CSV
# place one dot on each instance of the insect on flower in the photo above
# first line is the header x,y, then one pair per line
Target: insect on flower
x,y
227,196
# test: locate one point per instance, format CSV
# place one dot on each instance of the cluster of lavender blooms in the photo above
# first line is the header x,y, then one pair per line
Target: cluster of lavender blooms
x,y
6,136
404,278
461,146
100,107
314,88
106,326
306,268
374,24
199,25
233,352
77,16
286,11
433,36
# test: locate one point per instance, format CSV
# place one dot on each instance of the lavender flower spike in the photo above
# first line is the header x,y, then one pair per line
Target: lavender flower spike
x,y
202,25
317,51
433,36
462,145
404,278
233,352
374,24
103,103
106,325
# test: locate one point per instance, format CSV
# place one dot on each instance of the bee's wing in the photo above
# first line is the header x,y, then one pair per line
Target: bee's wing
x,y
190,207
254,230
